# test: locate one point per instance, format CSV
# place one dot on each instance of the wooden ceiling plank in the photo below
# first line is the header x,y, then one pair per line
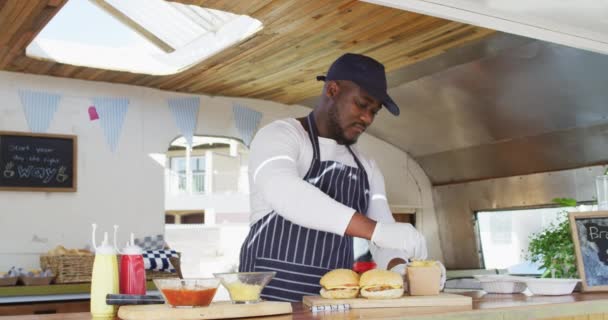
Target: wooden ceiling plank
x,y
445,43
36,66
297,60
2,4
56,3
213,63
11,19
227,57
289,45
26,29
19,64
16,49
300,39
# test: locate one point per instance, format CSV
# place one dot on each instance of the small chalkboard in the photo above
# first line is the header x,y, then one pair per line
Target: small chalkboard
x,y
590,236
37,162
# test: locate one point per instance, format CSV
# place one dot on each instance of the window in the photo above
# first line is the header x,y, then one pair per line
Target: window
x,y
501,227
179,177
142,36
504,236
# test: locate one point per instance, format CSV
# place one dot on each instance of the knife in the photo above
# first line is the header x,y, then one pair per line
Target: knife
x,y
130,299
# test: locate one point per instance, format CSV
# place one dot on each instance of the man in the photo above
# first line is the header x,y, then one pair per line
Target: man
x,y
312,191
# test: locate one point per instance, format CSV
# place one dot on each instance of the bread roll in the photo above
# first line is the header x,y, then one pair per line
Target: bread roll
x,y
340,284
381,284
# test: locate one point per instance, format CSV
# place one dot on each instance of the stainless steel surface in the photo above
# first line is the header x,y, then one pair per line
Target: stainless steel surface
x,y
505,106
531,90
452,57
572,148
455,205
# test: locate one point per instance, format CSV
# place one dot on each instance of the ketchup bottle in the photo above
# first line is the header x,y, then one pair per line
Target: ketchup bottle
x,y
362,266
132,273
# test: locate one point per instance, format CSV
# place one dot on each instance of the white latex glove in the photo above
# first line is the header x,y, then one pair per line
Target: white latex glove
x,y
402,269
401,236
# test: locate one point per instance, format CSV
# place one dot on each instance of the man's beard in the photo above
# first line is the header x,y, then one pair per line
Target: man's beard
x,y
334,127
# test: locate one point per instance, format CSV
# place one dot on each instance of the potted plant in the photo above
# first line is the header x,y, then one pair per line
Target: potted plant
x,y
553,248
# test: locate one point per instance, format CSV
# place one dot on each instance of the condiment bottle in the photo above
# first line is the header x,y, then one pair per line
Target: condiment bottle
x,y
105,277
132,272
362,266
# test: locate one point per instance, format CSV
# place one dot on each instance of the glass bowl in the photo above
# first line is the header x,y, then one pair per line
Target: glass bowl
x,y
187,292
245,287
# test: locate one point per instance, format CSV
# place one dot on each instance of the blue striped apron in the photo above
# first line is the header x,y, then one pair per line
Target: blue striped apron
x,y
299,255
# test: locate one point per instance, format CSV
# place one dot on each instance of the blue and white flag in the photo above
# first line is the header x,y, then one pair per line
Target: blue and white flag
x,y
39,108
185,114
247,121
112,112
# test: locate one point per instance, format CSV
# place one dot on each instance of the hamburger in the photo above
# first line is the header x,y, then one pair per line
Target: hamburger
x,y
340,284
381,284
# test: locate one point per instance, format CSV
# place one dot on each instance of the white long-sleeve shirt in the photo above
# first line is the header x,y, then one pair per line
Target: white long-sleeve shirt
x,y
280,156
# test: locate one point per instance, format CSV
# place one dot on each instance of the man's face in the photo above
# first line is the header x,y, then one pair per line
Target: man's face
x,y
353,111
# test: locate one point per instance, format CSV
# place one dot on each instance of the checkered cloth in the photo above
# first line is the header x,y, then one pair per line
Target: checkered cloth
x,y
156,242
158,260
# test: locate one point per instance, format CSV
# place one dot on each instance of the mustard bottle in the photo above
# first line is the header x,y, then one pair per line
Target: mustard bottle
x,y
105,277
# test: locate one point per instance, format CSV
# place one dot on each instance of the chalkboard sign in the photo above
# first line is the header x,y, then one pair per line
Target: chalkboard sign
x,y
590,236
37,162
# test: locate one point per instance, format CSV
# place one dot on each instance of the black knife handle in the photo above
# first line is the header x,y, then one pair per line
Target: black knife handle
x,y
131,299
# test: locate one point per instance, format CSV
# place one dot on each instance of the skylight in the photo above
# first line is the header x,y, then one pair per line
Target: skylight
x,y
142,36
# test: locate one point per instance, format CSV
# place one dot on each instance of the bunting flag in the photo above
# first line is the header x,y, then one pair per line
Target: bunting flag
x,y
112,112
185,114
39,109
246,121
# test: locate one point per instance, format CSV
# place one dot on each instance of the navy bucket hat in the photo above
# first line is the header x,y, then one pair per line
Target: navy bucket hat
x,y
367,73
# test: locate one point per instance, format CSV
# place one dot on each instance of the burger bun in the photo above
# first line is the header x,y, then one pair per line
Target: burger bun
x,y
340,293
384,294
340,284
381,284
340,278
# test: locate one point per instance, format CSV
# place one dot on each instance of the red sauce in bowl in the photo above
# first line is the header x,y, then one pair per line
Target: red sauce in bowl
x,y
187,298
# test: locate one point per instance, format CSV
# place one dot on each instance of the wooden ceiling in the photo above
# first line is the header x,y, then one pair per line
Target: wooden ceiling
x,y
300,39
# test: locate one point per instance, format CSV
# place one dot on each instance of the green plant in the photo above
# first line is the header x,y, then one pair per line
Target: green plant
x,y
553,248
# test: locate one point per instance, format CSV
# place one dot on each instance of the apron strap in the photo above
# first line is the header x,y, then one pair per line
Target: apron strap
x,y
313,134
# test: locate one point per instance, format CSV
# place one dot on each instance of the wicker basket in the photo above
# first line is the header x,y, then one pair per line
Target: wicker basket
x,y
69,268
35,281
74,269
8,281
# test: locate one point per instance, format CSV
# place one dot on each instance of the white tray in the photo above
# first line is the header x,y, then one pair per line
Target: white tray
x,y
501,283
551,287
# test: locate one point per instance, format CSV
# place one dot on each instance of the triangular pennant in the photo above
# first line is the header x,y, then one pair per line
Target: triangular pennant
x,y
247,121
185,114
39,108
112,112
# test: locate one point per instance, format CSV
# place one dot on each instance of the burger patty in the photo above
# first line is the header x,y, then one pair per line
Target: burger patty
x,y
336,289
379,288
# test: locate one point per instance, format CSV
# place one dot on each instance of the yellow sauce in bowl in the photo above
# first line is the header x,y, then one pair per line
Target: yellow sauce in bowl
x,y
244,292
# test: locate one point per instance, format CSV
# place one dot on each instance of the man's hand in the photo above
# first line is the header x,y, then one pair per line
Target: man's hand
x,y
401,236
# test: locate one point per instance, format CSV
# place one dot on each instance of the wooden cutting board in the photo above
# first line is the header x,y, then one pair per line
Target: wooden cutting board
x,y
217,310
441,300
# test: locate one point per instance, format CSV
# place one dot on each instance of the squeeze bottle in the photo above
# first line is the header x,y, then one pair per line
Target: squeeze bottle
x,y
105,277
132,272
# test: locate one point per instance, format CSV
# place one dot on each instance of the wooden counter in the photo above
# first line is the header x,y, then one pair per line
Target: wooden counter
x,y
590,306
